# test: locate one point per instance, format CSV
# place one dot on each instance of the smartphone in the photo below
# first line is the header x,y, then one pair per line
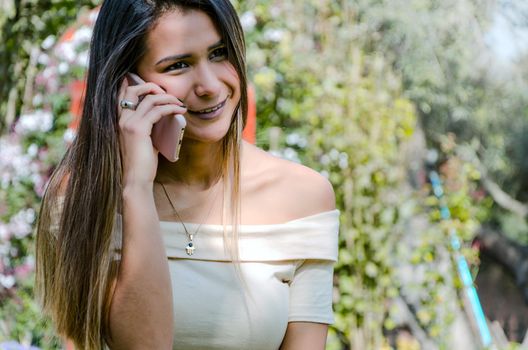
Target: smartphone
x,y
167,133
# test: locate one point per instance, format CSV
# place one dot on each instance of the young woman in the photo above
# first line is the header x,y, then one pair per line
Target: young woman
x,y
227,248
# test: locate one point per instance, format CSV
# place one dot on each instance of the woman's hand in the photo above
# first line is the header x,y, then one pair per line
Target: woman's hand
x,y
138,155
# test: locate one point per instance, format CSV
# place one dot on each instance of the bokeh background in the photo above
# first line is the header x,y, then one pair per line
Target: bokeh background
x,y
380,96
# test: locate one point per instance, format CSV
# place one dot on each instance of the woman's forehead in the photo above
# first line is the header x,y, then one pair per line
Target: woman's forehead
x,y
181,32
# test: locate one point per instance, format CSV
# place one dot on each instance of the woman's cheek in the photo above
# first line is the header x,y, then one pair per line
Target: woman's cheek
x,y
180,88
232,71
232,78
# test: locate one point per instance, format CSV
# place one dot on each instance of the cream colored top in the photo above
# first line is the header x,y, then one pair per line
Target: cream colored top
x,y
286,274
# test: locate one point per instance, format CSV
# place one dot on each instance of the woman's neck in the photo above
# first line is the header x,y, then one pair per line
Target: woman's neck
x,y
199,165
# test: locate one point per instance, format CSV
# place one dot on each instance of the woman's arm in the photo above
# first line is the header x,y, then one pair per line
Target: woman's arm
x,y
305,336
311,288
141,312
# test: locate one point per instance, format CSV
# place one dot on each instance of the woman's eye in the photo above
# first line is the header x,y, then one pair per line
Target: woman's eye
x,y
176,66
219,53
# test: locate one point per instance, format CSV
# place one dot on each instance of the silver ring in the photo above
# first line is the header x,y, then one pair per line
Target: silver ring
x,y
128,104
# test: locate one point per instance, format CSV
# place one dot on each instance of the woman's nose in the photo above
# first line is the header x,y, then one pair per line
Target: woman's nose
x,y
207,82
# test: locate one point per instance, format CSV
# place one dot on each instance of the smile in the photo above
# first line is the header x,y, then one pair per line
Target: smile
x,y
209,110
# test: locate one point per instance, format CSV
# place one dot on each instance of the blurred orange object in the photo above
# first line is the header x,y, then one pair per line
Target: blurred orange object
x,y
68,34
249,133
69,345
76,102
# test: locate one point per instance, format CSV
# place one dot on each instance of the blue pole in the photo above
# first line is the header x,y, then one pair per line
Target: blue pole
x,y
462,266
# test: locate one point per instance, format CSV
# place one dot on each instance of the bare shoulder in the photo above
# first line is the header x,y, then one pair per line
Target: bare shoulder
x,y
310,189
287,187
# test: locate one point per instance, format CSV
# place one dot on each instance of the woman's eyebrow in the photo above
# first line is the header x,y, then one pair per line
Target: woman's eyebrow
x,y
173,58
186,55
215,45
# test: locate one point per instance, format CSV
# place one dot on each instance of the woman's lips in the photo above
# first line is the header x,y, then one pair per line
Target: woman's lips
x,y
209,113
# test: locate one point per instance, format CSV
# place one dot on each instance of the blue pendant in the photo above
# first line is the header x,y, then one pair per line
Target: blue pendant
x,y
189,248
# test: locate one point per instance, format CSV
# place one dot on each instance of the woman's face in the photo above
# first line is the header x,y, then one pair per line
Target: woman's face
x,y
186,57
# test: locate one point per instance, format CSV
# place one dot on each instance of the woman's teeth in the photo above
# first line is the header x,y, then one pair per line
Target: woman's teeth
x,y
208,110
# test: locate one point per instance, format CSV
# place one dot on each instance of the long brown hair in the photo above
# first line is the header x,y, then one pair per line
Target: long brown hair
x,y
74,258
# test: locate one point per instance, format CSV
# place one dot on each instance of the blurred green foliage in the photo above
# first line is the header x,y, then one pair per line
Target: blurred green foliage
x,y
455,79
342,109
25,24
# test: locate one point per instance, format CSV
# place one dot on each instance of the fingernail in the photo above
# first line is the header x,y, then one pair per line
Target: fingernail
x,y
182,104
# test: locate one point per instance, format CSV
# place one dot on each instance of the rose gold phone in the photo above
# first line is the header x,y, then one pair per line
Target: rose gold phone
x,y
167,133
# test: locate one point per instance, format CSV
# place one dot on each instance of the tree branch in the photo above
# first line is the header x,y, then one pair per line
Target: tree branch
x,y
502,198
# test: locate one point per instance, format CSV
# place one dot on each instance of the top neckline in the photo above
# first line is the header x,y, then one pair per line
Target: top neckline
x,y
289,222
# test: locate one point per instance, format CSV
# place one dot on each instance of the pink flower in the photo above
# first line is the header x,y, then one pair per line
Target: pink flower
x,y
23,271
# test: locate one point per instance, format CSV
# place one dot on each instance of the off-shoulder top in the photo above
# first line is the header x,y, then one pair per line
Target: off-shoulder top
x,y
284,275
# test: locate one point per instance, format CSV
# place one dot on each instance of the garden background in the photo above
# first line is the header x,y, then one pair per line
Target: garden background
x,y
377,95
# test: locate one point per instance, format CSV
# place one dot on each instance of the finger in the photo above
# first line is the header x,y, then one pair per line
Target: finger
x,y
125,95
158,112
122,88
155,100
142,125
134,91
150,103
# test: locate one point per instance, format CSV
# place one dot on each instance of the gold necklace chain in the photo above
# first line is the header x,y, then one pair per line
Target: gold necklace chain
x,y
189,248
